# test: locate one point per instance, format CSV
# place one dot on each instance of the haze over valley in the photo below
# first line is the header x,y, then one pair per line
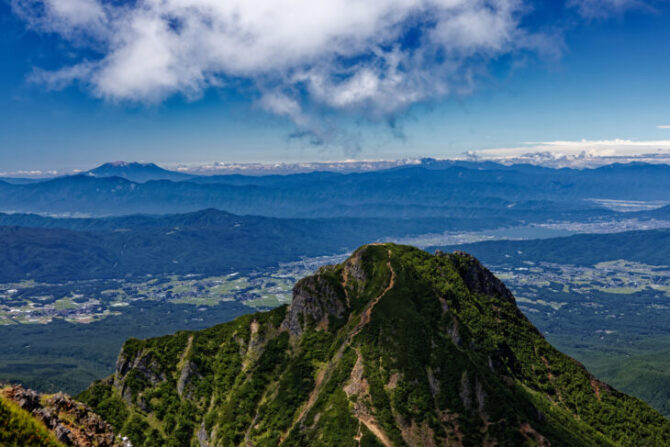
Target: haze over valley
x,y
85,284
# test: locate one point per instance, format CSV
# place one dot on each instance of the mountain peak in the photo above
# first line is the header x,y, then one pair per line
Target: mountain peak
x,y
326,294
124,164
136,172
394,346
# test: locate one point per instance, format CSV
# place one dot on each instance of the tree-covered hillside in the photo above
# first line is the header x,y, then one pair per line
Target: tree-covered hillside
x,y
207,242
649,247
392,347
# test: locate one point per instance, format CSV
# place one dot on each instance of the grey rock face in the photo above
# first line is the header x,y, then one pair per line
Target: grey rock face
x,y
314,300
29,400
187,373
203,439
479,279
142,363
63,434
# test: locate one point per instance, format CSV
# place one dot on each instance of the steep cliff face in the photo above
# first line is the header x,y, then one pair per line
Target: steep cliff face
x,y
316,300
478,278
392,347
63,421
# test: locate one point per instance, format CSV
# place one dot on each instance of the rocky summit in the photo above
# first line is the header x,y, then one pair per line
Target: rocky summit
x,y
393,347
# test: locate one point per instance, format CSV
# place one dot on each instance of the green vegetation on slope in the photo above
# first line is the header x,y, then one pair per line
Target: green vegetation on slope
x,y
62,356
18,428
601,298
641,368
392,347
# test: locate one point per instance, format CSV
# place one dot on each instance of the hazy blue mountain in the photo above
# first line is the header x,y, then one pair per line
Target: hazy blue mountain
x,y
209,242
136,172
408,191
20,180
649,247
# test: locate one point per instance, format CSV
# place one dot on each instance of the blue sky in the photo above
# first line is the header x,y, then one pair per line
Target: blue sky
x,y
429,80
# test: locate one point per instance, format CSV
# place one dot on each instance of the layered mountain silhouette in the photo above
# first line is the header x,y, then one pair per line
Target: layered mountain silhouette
x,y
393,347
209,242
464,190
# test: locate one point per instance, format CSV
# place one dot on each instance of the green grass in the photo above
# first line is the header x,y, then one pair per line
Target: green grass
x,y
18,428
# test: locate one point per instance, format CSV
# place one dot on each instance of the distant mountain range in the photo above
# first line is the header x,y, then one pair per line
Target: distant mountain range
x,y
547,159
213,242
513,194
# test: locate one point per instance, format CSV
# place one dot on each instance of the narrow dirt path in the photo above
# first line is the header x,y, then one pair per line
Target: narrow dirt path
x,y
372,426
596,387
358,387
187,350
326,372
365,316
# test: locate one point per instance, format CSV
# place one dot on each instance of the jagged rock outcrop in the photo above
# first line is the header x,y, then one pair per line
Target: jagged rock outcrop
x,y
316,299
73,423
143,367
479,279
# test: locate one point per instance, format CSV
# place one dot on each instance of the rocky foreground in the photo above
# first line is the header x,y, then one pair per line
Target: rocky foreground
x,y
72,423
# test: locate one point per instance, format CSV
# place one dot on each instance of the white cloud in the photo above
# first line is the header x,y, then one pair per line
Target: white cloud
x,y
337,54
599,9
663,127
579,153
76,12
60,79
596,148
65,17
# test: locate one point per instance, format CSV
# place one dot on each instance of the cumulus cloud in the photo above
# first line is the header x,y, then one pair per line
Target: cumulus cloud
x,y
376,56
